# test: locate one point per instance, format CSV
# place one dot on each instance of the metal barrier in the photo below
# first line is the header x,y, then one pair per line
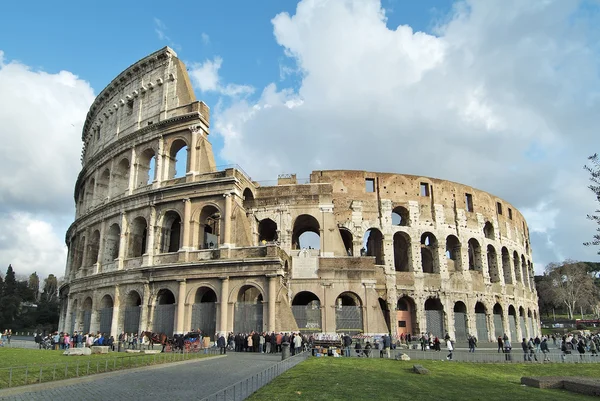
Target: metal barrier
x,y
83,366
244,388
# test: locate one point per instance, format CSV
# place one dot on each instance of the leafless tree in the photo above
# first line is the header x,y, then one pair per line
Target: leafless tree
x,y
573,284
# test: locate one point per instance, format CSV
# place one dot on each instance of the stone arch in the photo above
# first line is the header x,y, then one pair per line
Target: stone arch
x,y
348,240
530,275
506,266
146,168
209,227
400,216
306,308
138,234
106,313
402,252
492,259
120,177
164,312
90,193
373,241
488,231
524,271
429,253
102,186
512,323
474,255
481,321
434,316
93,248
517,266
179,150
248,315
498,320
303,225
248,198
453,253
171,232
111,243
461,326
406,315
348,313
86,312
267,231
133,306
204,310
530,323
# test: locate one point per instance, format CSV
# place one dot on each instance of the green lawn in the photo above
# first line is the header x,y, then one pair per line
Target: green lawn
x,y
26,366
382,379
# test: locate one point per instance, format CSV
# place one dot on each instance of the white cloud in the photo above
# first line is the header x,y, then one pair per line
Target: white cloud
x,y
161,31
205,38
205,76
504,97
42,115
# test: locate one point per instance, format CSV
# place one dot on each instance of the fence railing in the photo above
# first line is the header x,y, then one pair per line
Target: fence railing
x,y
244,388
78,366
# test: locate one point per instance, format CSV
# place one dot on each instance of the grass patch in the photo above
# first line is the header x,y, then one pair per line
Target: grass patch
x,y
19,366
382,379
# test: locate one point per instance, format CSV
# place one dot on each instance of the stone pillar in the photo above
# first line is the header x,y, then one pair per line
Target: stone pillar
x,y
66,324
122,242
187,221
227,220
180,307
489,317
224,304
151,246
84,252
132,175
94,316
273,278
98,265
193,152
159,162
114,325
145,307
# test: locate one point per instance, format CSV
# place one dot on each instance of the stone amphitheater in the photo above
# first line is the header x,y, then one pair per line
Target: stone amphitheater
x,y
165,240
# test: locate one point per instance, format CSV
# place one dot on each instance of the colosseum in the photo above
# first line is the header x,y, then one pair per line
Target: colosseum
x,y
165,240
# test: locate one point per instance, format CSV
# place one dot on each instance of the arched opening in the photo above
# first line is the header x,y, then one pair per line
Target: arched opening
x,y
512,323
74,312
267,231
164,312
522,323
498,321
517,266
348,313
492,259
204,311
248,310
406,316
111,244
93,248
306,233
87,314
434,315
453,253
146,168
481,322
400,216
121,177
306,308
474,255
524,271
488,230
90,193
210,218
402,252
106,313
348,241
530,275
171,232
373,244
133,306
506,266
248,198
461,327
178,159
102,187
530,324
429,259
385,310
137,237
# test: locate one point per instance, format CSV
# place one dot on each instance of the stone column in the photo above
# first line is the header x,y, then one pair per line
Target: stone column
x,y
132,175
84,252
150,245
227,220
159,162
273,278
122,242
224,303
98,265
193,152
187,217
180,307
144,312
66,324
114,325
94,315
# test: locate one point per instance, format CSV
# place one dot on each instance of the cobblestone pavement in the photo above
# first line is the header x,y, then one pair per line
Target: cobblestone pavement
x,y
180,381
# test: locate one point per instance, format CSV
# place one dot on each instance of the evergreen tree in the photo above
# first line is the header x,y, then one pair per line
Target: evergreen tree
x,y
34,285
594,171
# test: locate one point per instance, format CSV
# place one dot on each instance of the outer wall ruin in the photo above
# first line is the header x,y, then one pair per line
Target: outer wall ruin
x,y
154,248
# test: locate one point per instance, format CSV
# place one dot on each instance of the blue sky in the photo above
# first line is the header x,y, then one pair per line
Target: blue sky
x,y
500,94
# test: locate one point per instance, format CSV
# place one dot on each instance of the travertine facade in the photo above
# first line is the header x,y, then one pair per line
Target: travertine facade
x,y
154,248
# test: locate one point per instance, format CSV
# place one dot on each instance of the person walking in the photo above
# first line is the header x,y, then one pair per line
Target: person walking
x,y
450,348
545,350
525,350
472,343
222,344
501,344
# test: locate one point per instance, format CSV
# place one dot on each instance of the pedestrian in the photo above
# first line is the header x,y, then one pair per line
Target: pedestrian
x,y
531,349
347,344
507,350
221,343
472,343
501,344
581,349
526,355
450,348
545,350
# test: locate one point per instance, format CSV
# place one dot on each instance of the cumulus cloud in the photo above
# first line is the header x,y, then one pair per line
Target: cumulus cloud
x,y
205,77
503,96
42,115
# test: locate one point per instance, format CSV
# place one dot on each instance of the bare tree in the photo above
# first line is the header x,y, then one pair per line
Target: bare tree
x,y
573,284
594,170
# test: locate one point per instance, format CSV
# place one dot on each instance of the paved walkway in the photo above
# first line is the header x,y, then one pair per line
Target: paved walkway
x,y
189,380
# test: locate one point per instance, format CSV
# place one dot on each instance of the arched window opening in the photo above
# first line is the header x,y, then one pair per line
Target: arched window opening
x,y
401,252
248,198
80,245
210,218
306,233
453,253
111,244
133,299
204,310
474,255
171,232
121,177
133,302
517,266
250,294
492,259
178,159
488,230
248,311
87,314
106,313
348,313
137,237
373,245
406,316
165,297
524,271
506,266
90,201
498,321
146,168
481,322
400,216
164,312
461,329
348,241
267,231
102,187
512,323
434,314
93,248
429,261
306,308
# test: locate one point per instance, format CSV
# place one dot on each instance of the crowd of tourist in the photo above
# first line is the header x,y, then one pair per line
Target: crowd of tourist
x,y
65,340
265,342
5,336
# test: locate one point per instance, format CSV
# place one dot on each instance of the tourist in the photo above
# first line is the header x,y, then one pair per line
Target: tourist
x,y
526,355
347,344
473,343
544,349
507,350
581,349
367,350
298,344
593,347
501,344
387,344
450,348
222,344
358,348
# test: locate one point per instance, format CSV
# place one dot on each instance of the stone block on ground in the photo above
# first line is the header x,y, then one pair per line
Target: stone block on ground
x,y
99,349
402,357
581,385
419,369
73,351
132,351
149,351
86,351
